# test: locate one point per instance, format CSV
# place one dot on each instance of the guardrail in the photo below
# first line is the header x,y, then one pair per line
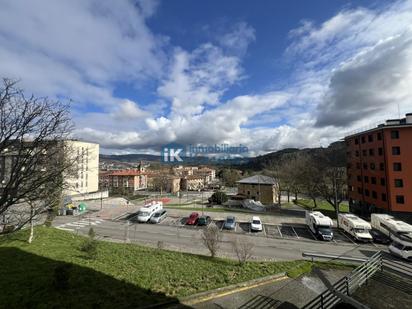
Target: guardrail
x,y
313,255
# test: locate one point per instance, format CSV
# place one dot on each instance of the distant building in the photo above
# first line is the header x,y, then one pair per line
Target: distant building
x,y
192,183
259,188
379,168
123,181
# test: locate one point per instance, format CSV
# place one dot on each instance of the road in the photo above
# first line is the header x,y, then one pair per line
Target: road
x,y
188,239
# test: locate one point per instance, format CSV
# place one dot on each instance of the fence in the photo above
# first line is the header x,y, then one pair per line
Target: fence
x,y
348,285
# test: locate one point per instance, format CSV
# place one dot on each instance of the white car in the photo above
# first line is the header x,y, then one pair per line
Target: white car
x,y
256,224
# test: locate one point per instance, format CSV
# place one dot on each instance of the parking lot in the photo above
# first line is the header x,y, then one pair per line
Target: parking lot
x,y
284,231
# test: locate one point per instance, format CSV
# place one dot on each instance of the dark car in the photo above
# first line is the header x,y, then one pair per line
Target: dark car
x,y
379,237
204,220
194,216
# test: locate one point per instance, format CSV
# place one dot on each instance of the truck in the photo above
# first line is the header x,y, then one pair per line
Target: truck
x,y
320,225
399,232
146,212
355,227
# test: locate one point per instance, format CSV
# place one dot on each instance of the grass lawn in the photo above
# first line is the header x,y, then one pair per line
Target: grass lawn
x,y
122,275
323,207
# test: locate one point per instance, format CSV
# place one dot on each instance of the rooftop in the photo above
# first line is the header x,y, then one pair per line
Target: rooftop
x,y
258,179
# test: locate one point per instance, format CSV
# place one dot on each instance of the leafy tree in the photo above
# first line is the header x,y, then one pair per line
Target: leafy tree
x,y
218,198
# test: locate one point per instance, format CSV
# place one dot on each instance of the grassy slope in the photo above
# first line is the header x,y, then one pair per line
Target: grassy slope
x,y
123,274
323,206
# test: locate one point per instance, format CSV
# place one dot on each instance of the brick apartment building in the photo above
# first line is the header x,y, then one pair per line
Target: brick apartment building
x,y
379,168
123,181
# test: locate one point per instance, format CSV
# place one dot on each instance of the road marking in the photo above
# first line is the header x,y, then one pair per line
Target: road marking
x,y
294,232
64,229
346,236
313,235
279,231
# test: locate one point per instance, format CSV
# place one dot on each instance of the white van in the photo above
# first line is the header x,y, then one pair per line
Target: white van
x,y
146,212
399,232
388,225
320,225
401,246
355,226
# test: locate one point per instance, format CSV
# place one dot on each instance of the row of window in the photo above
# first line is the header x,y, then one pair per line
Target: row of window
x,y
400,199
371,137
396,151
398,182
397,166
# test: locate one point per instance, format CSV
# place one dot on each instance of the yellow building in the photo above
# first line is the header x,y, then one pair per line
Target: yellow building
x,y
259,188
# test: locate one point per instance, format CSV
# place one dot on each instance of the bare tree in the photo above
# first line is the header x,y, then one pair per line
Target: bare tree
x,y
33,161
243,250
211,238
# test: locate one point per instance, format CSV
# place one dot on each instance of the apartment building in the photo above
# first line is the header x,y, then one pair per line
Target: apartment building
x,y
379,168
123,181
192,183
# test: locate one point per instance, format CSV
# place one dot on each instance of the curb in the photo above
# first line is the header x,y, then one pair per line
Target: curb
x,y
227,290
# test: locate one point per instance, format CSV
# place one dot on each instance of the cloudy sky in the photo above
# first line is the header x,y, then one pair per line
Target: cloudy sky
x,y
267,74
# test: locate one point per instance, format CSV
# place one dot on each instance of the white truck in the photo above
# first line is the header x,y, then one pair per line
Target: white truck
x,y
320,225
399,232
146,212
355,226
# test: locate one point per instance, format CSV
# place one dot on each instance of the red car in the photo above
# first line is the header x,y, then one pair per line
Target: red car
x,y
192,218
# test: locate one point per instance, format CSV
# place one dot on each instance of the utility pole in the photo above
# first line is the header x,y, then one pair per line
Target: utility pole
x,y
336,199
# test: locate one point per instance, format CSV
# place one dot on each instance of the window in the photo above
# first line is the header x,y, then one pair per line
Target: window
x,y
370,138
383,182
374,195
379,135
366,192
371,152
384,197
363,139
364,153
359,178
398,183
373,180
382,166
357,153
372,166
394,134
400,199
366,179
380,151
359,190
397,166
365,166
356,141
358,166
396,150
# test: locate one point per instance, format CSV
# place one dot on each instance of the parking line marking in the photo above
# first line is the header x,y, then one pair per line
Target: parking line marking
x,y
295,232
311,233
344,234
279,231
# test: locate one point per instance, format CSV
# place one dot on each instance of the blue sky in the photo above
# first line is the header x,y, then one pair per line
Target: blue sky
x,y
267,74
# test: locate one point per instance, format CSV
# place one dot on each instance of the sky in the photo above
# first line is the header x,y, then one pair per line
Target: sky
x,y
265,74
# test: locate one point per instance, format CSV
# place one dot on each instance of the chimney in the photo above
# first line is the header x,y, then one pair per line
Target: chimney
x,y
408,118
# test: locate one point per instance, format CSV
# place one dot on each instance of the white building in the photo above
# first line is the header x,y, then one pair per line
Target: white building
x,y
85,178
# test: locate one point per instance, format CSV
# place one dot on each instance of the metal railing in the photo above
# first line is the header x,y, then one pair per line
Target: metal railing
x,y
348,284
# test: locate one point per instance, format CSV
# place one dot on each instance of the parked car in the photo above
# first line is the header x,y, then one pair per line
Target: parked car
x,y
230,223
204,220
194,216
256,224
379,237
158,216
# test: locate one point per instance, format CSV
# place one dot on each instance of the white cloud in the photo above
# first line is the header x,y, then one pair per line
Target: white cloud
x,y
76,49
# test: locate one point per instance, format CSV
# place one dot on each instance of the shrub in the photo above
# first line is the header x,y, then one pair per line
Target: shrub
x,y
218,198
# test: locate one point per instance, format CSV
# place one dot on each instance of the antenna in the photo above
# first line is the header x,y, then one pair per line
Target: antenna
x,y
399,112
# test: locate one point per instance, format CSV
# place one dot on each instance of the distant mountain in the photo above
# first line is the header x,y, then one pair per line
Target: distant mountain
x,y
252,163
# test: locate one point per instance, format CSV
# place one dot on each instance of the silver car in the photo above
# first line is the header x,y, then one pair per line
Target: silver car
x,y
158,216
230,223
